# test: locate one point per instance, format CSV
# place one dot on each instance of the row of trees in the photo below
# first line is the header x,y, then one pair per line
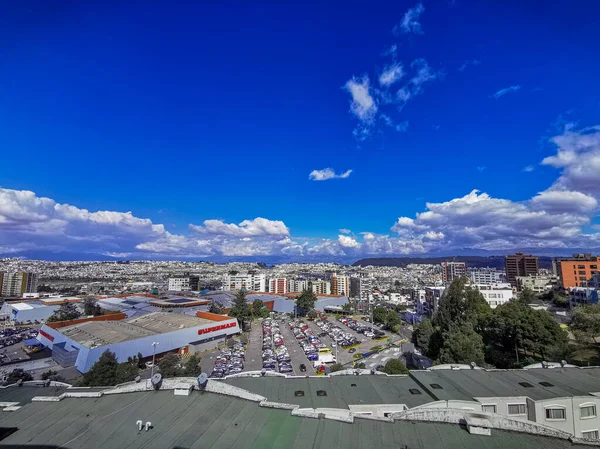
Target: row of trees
x,y
68,311
108,371
465,329
389,319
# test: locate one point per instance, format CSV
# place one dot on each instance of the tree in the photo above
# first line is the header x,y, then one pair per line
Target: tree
x,y
586,321
103,372
305,302
462,345
241,309
560,300
126,372
169,365
379,315
347,308
312,315
527,296
259,309
67,311
395,366
422,334
460,305
216,307
91,307
48,374
336,367
140,362
391,320
16,375
192,367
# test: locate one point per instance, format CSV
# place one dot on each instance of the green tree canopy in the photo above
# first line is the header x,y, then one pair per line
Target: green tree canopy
x,y
527,296
216,307
459,305
241,309
379,314
462,345
192,367
67,311
305,302
586,321
395,366
126,372
336,367
16,375
312,315
169,365
422,334
103,372
259,309
347,308
91,307
392,319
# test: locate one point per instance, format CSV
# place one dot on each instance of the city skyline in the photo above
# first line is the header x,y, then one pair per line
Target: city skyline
x,y
331,134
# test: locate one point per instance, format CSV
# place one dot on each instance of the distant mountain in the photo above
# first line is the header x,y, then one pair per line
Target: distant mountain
x,y
471,261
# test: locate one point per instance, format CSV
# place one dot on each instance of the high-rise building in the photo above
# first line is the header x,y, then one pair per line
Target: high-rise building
x,y
453,270
576,271
278,286
321,287
17,284
520,264
361,287
298,285
248,282
486,276
184,283
340,285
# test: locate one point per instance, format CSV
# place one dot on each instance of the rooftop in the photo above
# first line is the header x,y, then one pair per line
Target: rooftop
x,y
469,384
203,420
341,391
100,333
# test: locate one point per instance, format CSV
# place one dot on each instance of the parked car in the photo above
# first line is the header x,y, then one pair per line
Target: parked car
x,y
303,367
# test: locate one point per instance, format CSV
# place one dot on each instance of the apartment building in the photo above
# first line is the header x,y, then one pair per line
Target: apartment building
x,y
520,264
486,276
361,287
453,270
184,283
433,296
297,285
279,286
340,285
582,295
320,287
540,283
575,271
248,282
18,283
495,295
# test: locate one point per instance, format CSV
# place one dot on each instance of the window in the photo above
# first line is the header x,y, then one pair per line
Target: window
x,y
590,435
489,408
587,411
321,393
582,272
299,393
593,267
556,413
581,267
546,384
526,384
517,409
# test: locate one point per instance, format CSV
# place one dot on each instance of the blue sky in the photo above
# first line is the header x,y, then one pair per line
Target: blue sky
x,y
188,112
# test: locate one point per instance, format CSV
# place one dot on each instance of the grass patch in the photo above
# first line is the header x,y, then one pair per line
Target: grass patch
x,y
376,348
357,356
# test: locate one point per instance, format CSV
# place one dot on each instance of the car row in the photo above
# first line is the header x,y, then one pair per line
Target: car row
x,y
229,361
337,334
10,337
275,356
361,329
310,343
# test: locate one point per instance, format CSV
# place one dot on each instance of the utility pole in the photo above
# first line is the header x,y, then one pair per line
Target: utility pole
x,y
154,344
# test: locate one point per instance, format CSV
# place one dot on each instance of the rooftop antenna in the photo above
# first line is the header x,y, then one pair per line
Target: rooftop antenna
x,y
202,381
156,380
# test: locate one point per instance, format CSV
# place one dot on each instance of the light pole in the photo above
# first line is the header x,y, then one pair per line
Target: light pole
x,y
154,344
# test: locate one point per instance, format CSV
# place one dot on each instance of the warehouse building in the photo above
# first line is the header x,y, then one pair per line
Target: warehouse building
x,y
24,312
80,343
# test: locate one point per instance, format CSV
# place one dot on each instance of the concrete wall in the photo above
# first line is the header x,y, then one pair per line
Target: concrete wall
x,y
573,423
502,404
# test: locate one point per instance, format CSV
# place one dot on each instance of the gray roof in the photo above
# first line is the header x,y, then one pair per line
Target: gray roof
x,y
24,394
340,392
206,420
469,384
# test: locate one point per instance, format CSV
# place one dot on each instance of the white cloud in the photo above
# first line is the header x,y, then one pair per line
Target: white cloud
x,y
506,90
345,231
578,155
481,168
391,74
257,227
391,51
348,242
467,63
424,73
327,173
400,127
410,21
363,105
528,168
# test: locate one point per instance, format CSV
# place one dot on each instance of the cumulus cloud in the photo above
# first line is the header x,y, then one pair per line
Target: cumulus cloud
x,y
345,231
327,173
400,127
348,242
410,21
467,63
257,227
362,104
506,90
578,155
528,168
391,74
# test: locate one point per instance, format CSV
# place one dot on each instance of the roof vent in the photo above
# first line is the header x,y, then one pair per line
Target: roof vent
x,y
414,391
526,384
544,364
353,385
436,386
321,393
546,384
298,393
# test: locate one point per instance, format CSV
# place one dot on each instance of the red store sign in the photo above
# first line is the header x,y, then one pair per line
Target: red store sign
x,y
216,328
47,335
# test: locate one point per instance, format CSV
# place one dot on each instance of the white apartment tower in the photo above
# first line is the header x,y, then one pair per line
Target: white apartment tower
x,y
340,285
248,282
